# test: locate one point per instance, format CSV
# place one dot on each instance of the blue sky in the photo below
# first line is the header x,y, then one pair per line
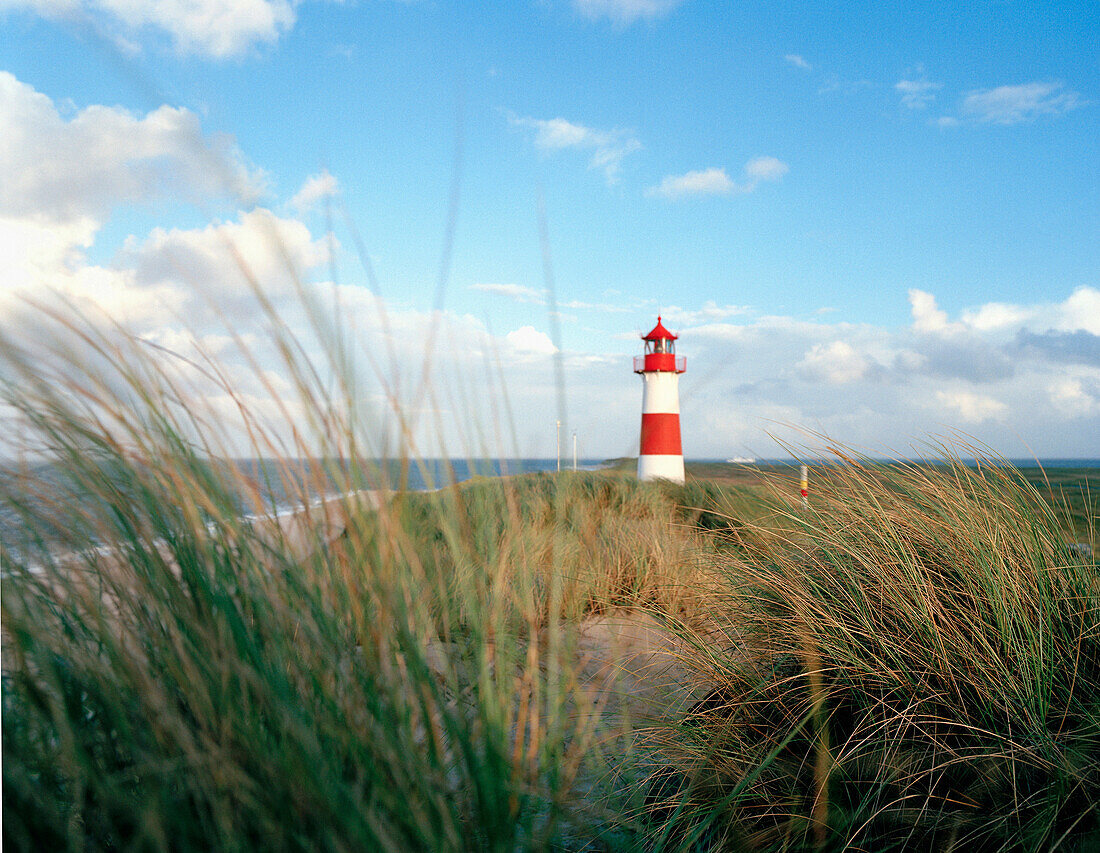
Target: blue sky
x,y
872,221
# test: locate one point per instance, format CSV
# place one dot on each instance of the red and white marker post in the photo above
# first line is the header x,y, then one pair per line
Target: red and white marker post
x,y
661,455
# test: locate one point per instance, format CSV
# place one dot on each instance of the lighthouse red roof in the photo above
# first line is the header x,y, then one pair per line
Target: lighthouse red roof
x,y
659,333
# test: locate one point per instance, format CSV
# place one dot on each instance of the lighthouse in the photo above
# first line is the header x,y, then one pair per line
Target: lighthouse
x,y
660,455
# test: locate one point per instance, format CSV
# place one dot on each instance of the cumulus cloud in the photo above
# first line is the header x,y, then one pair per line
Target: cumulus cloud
x,y
60,170
927,316
625,11
1020,378
528,340
65,174
226,262
178,277
834,84
316,188
972,407
1069,396
608,147
1016,104
715,181
1079,312
798,62
213,28
916,94
837,363
994,316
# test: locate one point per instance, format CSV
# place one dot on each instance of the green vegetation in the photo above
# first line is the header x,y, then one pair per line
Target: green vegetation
x,y
912,663
921,670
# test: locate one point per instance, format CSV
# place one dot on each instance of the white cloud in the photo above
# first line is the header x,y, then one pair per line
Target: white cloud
x,y
61,170
1019,378
916,94
798,62
1080,312
224,262
31,252
972,407
715,181
176,277
64,175
1070,397
994,316
528,340
609,147
518,292
765,169
712,181
836,362
625,11
711,312
1015,104
927,317
214,28
1002,369
316,187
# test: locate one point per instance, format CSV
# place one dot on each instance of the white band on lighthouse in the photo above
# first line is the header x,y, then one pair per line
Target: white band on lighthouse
x,y
661,393
661,468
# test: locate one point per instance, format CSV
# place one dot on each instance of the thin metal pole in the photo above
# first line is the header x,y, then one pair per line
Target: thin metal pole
x,y
574,450
804,487
558,446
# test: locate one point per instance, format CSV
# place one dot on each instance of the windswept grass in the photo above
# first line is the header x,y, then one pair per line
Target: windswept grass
x,y
612,542
182,672
912,663
922,672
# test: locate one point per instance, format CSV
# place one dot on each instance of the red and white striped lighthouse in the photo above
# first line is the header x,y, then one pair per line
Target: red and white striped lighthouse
x,y
661,455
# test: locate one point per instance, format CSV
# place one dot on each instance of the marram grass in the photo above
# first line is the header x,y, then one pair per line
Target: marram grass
x,y
919,669
913,663
181,674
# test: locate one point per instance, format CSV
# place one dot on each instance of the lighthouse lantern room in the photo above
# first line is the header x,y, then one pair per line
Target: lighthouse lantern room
x,y
660,455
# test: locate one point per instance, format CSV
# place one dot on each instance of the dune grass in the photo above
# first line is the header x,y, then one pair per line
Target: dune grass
x,y
922,672
182,672
912,663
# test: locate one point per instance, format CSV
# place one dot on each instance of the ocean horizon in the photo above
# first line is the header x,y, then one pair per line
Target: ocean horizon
x,y
283,484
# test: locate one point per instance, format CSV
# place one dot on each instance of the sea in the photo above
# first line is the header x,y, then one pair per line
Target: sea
x,y
282,485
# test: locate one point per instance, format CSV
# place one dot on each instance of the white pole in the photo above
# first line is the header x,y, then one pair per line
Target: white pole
x,y
558,446
804,487
574,450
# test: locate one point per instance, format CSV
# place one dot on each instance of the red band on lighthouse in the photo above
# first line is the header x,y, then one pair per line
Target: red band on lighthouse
x,y
661,433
